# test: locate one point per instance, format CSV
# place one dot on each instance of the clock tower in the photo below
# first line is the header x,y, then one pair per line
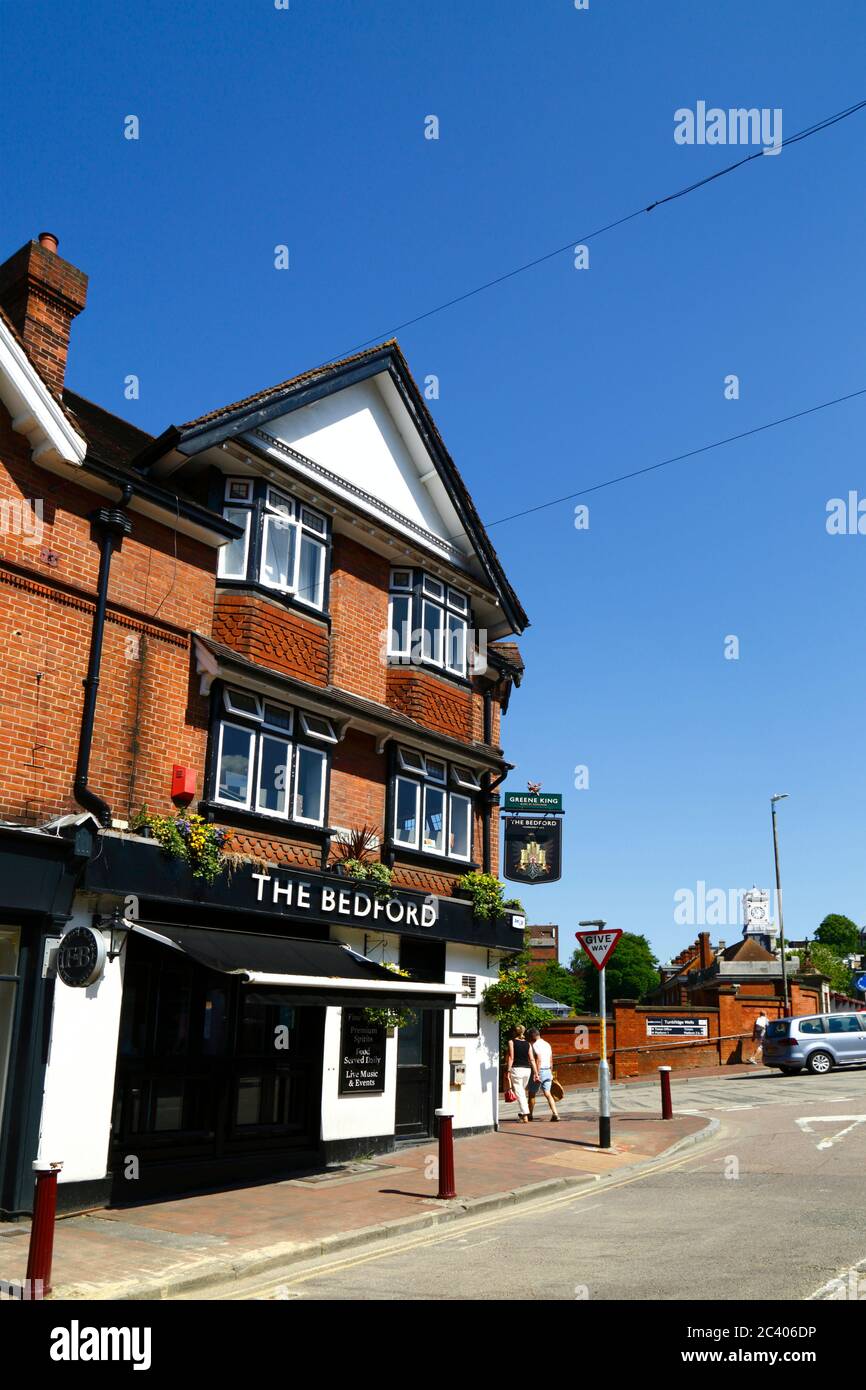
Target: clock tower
x,y
756,918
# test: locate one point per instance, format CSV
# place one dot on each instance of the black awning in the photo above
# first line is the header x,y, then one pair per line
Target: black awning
x,y
296,971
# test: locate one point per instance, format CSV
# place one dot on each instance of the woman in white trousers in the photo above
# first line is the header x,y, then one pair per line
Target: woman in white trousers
x,y
521,1065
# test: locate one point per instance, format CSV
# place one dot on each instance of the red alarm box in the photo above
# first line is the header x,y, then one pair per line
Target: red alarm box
x,y
182,785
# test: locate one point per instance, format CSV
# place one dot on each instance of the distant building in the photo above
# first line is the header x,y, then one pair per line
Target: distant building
x,y
543,943
553,1006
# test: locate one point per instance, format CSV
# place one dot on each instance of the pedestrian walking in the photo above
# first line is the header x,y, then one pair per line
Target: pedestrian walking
x,y
758,1032
543,1054
521,1067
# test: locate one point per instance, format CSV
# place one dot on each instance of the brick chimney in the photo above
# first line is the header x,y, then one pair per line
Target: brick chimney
x,y
42,294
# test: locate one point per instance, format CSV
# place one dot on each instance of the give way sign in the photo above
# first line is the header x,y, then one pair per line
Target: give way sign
x,y
599,945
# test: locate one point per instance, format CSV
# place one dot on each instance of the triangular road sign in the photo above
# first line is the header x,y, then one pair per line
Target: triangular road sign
x,y
599,945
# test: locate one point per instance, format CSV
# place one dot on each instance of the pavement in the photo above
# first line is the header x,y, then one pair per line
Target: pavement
x,y
184,1247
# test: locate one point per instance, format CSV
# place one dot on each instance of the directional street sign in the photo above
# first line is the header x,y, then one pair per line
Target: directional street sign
x,y
860,983
599,945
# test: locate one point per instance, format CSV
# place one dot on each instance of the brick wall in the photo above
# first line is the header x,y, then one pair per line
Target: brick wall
x,y
359,610
264,630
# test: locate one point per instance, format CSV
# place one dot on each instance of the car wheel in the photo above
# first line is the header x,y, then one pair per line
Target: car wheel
x,y
790,1071
820,1063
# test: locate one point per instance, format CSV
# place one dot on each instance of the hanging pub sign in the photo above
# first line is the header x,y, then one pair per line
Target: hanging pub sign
x,y
539,801
533,849
81,956
362,1055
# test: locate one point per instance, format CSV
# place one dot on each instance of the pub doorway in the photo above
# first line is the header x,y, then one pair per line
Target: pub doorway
x,y
419,1046
216,1082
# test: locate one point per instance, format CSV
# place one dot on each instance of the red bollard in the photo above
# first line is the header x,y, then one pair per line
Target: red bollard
x,y
667,1107
446,1155
41,1251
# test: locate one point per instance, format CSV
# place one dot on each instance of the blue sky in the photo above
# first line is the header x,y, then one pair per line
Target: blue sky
x,y
306,127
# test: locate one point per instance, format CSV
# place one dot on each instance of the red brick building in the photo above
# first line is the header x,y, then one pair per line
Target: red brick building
x,y
290,602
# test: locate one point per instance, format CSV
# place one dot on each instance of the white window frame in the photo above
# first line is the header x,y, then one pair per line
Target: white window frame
x,y
431,658
454,797
407,844
252,779
247,514
459,603
433,588
403,758
465,777
285,731
322,755
402,588
277,738
459,618
440,781
441,792
228,700
406,634
233,482
272,516
329,737
312,538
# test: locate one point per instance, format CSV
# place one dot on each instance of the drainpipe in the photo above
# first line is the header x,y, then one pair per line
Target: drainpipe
x,y
111,524
485,787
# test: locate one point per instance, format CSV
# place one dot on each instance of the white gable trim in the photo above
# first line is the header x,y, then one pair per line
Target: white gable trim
x,y
35,412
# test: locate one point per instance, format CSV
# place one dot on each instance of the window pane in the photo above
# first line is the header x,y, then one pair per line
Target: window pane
x,y
239,490
401,579
412,760
311,576
313,521
406,812
310,785
278,552
434,587
233,779
455,657
460,841
279,717
233,555
242,702
318,727
458,601
280,503
435,770
431,635
273,775
399,624
434,819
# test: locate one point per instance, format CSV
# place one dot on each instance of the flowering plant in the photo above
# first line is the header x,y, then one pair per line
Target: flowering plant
x,y
393,1017
188,836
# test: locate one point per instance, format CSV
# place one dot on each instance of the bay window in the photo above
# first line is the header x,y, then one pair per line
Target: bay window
x,y
270,759
427,815
428,622
284,547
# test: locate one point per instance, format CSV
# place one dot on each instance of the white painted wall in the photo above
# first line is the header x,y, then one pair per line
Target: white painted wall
x,y
354,434
79,1078
356,1117
477,1102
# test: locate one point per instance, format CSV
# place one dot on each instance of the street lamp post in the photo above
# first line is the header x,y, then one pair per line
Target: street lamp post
x,y
782,796
603,1068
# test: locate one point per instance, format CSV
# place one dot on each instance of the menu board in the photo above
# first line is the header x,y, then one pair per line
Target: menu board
x,y
362,1055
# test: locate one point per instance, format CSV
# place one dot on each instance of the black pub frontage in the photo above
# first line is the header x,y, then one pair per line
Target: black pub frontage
x,y
167,1035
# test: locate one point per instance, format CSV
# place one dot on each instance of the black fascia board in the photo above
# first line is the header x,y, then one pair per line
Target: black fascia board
x,y
250,416
161,497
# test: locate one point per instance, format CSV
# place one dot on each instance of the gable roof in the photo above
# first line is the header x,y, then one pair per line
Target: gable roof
x,y
252,412
747,949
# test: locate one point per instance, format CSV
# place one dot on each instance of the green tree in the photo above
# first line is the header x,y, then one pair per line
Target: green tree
x,y
840,933
632,971
827,962
554,980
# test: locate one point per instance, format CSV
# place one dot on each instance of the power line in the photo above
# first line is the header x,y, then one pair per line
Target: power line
x,y
814,129
677,458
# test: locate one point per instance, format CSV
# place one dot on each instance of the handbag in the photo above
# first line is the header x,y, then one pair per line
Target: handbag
x,y
510,1095
556,1090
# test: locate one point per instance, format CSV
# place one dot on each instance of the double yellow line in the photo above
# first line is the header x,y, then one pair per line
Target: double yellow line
x,y
482,1222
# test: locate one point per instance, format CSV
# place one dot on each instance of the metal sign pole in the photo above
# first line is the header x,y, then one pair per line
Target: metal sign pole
x,y
603,1069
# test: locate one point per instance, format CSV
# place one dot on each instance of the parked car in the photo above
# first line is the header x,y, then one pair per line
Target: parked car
x,y
818,1042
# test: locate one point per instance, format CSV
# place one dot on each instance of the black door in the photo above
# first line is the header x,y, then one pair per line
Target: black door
x,y
215,1083
419,1046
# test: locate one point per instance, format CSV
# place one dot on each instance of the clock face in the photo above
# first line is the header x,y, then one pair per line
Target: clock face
x,y
757,912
